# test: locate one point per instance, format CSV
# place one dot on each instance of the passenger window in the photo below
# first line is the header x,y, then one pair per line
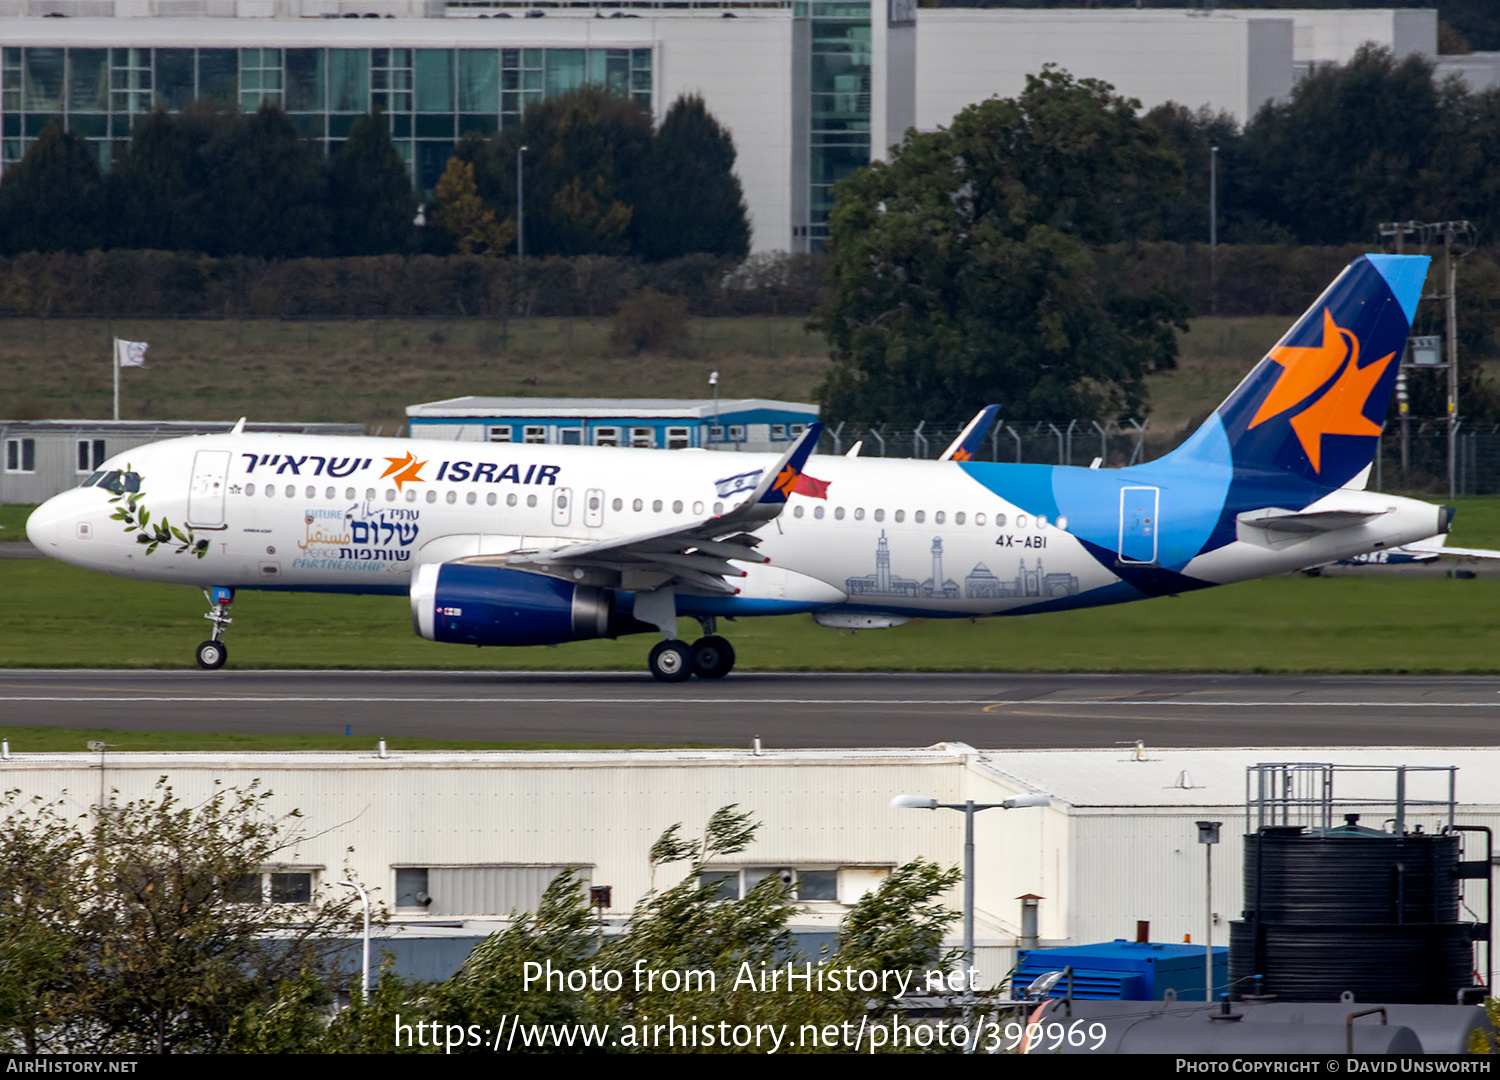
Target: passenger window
x,y
677,506
900,515
510,500
490,499
958,518
1020,521
330,494
859,513
636,505
838,513
920,516
312,492
978,519
249,489
531,500
470,498
880,515
796,511
817,511
939,517
656,506
1000,521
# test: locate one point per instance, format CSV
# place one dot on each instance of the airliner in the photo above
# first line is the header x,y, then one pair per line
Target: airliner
x,y
501,544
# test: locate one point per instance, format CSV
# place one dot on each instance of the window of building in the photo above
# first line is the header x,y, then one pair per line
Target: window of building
x,y
716,433
607,436
475,890
778,431
90,454
571,436
643,437
20,455
273,887
535,433
807,884
797,429
736,433
500,433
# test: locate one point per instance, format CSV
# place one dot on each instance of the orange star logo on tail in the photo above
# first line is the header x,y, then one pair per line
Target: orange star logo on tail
x,y
1340,409
405,470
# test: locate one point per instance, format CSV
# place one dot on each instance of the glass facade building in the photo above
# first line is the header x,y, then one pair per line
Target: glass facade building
x,y
840,106
431,96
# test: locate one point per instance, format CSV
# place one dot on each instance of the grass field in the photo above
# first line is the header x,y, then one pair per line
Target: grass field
x,y
369,371
55,616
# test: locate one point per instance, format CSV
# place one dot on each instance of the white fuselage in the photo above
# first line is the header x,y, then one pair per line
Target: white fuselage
x,y
342,514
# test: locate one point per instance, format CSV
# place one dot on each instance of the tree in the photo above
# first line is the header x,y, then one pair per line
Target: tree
x,y
584,164
51,199
464,217
371,201
167,935
959,272
268,190
1351,148
693,202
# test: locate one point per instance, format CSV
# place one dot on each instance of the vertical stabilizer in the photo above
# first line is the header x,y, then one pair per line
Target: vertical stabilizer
x,y
1314,406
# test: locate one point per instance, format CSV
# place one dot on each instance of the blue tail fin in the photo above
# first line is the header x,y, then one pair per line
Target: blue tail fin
x,y
1315,405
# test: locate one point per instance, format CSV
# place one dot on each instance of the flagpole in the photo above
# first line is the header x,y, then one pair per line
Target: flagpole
x,y
114,359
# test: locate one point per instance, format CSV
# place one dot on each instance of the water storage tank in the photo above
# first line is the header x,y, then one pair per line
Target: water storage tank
x,y
1351,908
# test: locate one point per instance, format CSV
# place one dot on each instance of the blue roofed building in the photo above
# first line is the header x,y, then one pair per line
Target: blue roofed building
x,y
753,424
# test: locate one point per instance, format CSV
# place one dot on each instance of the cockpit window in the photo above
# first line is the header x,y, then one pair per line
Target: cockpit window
x,y
92,480
121,482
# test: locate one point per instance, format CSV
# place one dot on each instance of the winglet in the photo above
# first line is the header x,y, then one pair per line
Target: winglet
x,y
778,483
239,427
964,447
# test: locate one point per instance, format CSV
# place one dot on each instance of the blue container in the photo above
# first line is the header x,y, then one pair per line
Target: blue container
x,y
1123,970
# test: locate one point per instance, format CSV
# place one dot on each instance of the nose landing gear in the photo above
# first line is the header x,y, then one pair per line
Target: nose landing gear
x,y
212,653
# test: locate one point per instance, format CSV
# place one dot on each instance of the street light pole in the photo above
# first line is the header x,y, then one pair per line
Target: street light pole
x,y
520,208
969,809
365,967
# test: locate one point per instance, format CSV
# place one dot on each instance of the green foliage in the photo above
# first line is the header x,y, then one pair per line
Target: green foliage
x,y
693,202
269,190
960,272
648,320
161,953
51,199
463,216
371,203
1350,148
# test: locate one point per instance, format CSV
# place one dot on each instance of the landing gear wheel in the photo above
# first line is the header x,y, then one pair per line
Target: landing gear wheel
x,y
212,654
671,661
713,657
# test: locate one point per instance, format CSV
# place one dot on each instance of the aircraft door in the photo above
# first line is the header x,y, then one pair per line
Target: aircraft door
x,y
562,506
205,509
593,508
1139,526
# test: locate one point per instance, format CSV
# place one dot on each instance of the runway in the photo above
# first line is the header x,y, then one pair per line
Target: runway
x,y
990,711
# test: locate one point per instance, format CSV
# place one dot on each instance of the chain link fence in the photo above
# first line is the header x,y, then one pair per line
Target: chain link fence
x,y
1064,442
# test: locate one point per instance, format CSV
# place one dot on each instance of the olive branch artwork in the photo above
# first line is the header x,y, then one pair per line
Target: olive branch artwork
x,y
137,519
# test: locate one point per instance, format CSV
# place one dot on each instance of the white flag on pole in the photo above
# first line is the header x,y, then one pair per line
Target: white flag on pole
x,y
130,353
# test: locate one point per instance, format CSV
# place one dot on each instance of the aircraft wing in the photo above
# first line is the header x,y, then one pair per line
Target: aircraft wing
x,y
698,554
964,447
1434,546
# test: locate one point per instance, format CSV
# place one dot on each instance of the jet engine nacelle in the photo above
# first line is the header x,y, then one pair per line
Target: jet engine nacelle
x,y
495,605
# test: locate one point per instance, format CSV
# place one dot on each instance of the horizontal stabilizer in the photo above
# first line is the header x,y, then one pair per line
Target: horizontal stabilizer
x,y
1312,521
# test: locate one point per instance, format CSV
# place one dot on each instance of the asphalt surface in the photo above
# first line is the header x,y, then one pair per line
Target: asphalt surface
x,y
783,710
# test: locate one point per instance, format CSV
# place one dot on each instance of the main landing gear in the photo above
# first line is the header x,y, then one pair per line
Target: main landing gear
x,y
212,653
710,657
